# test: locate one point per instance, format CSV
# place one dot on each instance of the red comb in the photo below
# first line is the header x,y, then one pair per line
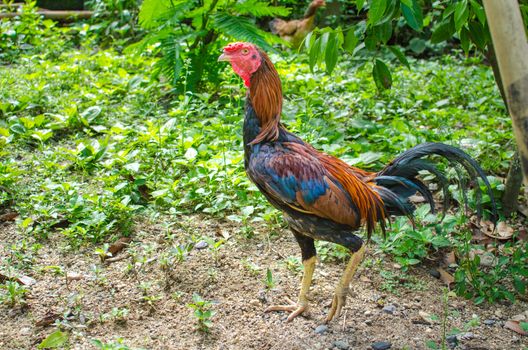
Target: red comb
x,y
235,46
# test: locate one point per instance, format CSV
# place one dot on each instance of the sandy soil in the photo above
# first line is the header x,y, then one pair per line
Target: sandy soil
x,y
83,292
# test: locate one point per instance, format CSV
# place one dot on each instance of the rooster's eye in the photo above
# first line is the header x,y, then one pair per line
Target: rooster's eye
x,y
245,51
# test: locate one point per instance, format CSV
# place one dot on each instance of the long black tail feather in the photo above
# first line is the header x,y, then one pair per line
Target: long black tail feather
x,y
398,179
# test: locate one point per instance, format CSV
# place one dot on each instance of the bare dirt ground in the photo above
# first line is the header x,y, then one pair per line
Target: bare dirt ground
x,y
78,291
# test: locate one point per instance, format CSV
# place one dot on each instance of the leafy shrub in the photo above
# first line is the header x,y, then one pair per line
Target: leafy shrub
x,y
189,35
28,33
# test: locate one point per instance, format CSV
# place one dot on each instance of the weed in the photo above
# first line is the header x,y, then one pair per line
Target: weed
x,y
293,264
14,293
202,312
269,281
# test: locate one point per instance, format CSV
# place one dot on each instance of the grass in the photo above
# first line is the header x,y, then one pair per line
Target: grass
x,y
90,143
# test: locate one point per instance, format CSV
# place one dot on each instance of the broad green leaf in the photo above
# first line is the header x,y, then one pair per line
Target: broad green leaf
x,y
478,35
191,153
314,53
351,41
260,9
464,39
399,55
322,48
417,45
243,29
381,74
152,10
134,167
376,11
332,52
413,15
444,31
461,14
383,31
359,5
91,113
479,11
54,340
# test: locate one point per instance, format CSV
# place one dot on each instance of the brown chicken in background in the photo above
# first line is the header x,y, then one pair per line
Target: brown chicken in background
x,y
295,31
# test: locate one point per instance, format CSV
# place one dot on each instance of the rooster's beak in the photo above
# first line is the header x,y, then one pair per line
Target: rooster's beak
x,y
223,58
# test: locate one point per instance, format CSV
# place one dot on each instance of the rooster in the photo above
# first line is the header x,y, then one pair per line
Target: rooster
x,y
295,31
322,197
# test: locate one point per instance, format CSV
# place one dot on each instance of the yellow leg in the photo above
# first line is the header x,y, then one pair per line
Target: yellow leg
x,y
302,303
342,287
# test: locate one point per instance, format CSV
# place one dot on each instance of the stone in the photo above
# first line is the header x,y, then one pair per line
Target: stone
x,y
381,345
201,245
321,329
434,273
341,345
489,322
389,309
452,341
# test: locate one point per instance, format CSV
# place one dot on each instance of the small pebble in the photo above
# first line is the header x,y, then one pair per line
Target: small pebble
x,y
321,329
466,336
489,322
201,245
389,309
381,345
452,341
434,273
367,313
368,322
255,302
341,345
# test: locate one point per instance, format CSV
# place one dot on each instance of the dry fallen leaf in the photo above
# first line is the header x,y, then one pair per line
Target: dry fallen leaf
x,y
502,232
25,280
47,319
446,277
515,326
449,258
74,276
427,318
8,216
363,278
119,245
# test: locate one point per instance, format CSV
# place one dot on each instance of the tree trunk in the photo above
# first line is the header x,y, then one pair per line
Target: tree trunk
x,y
61,16
512,187
513,183
511,48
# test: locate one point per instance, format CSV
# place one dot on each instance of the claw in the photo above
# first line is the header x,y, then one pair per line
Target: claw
x,y
338,302
295,309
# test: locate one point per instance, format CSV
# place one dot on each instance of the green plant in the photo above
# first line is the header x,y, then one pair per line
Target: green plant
x,y
293,264
14,293
269,281
202,312
114,22
117,345
118,315
28,33
189,33
508,270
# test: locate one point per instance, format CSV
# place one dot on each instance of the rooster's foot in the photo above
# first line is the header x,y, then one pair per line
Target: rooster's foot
x,y
294,308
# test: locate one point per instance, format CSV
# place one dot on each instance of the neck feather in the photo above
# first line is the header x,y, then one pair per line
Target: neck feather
x,y
311,10
265,93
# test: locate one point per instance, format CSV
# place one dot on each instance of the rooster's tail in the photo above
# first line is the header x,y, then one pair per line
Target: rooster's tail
x,y
398,180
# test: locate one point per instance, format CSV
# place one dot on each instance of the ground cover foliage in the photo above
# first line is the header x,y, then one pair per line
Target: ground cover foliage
x,y
91,144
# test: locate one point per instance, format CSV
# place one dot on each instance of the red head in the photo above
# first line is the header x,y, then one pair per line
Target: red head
x,y
245,59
